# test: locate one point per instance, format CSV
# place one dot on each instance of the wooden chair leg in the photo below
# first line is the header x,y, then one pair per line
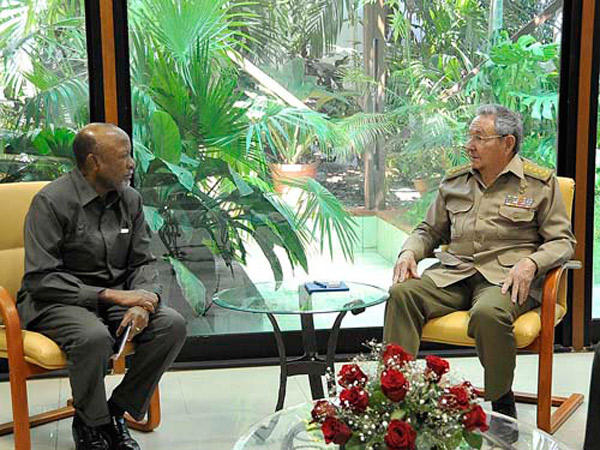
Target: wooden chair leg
x,y
544,394
119,365
20,408
153,419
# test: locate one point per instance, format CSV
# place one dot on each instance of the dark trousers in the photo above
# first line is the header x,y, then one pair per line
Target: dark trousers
x,y
592,434
87,338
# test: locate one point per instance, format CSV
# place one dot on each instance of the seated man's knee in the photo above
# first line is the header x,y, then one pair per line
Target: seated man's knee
x,y
93,340
174,324
401,293
488,315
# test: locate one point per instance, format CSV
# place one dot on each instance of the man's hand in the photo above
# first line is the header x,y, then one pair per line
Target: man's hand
x,y
520,278
138,317
405,268
139,297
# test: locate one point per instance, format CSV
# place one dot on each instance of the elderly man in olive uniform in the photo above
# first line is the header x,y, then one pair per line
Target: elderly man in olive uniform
x,y
88,275
505,224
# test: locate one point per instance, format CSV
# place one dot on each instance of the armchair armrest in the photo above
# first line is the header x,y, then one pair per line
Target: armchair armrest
x,y
553,278
573,264
550,296
12,324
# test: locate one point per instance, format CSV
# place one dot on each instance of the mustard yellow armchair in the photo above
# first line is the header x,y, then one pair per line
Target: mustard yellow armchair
x,y
31,353
534,332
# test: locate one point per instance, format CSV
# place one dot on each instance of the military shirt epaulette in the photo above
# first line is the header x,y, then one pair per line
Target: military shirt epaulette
x,y
533,170
457,171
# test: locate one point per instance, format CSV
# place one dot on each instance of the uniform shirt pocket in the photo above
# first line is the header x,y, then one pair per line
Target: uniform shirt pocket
x,y
458,210
517,223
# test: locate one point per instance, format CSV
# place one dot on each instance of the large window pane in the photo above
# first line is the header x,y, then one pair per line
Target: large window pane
x,y
220,97
596,257
43,87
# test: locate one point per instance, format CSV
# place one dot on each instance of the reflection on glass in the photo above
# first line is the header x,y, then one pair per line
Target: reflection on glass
x,y
43,87
250,133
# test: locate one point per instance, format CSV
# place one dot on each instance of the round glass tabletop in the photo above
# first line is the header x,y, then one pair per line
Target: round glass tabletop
x,y
293,298
286,430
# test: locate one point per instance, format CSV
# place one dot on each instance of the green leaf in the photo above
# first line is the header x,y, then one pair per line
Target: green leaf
x,y
242,186
354,444
41,144
454,441
398,414
142,155
193,290
55,142
475,440
265,239
377,397
166,141
190,161
185,177
153,218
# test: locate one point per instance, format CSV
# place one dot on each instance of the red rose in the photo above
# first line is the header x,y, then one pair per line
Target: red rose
x,y
400,436
475,418
395,355
355,398
351,375
457,397
393,384
322,410
335,431
437,365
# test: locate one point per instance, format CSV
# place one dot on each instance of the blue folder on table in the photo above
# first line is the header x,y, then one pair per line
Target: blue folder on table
x,y
313,286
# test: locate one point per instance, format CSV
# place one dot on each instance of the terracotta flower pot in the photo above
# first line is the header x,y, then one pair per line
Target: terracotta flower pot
x,y
281,172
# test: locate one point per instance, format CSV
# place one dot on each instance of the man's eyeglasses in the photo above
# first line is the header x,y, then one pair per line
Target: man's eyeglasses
x,y
478,139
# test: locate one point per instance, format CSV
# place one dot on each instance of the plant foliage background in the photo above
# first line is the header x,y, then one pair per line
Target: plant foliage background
x,y
205,132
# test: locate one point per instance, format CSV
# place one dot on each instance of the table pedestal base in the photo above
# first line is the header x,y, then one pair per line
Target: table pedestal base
x,y
311,363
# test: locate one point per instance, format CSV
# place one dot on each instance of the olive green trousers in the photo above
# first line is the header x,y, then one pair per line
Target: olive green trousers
x,y
415,301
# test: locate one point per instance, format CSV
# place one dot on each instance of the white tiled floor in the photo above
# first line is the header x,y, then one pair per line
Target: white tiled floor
x,y
209,409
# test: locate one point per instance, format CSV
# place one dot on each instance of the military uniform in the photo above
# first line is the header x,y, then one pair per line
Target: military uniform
x,y
487,229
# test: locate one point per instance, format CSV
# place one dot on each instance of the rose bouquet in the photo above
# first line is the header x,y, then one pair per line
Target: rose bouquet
x,y
402,405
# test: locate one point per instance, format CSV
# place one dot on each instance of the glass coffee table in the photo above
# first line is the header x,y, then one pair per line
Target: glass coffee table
x,y
273,298
286,430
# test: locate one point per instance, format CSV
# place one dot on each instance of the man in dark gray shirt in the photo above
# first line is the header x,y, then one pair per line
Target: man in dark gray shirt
x,y
88,275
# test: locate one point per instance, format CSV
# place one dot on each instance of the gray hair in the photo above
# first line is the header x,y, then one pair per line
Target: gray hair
x,y
505,121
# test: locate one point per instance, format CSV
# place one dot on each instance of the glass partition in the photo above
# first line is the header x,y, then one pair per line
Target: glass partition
x,y
596,253
250,132
43,87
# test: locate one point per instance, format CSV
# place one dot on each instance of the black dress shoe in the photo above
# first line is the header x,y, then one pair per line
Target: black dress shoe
x,y
86,437
118,435
506,430
506,405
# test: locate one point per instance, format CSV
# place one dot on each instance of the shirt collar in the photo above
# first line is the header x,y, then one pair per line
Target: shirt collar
x,y
86,191
515,166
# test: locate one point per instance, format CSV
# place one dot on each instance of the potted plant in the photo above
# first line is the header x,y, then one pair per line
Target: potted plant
x,y
296,140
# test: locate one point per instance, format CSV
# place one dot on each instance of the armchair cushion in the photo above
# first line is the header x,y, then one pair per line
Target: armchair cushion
x,y
452,328
38,349
43,351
